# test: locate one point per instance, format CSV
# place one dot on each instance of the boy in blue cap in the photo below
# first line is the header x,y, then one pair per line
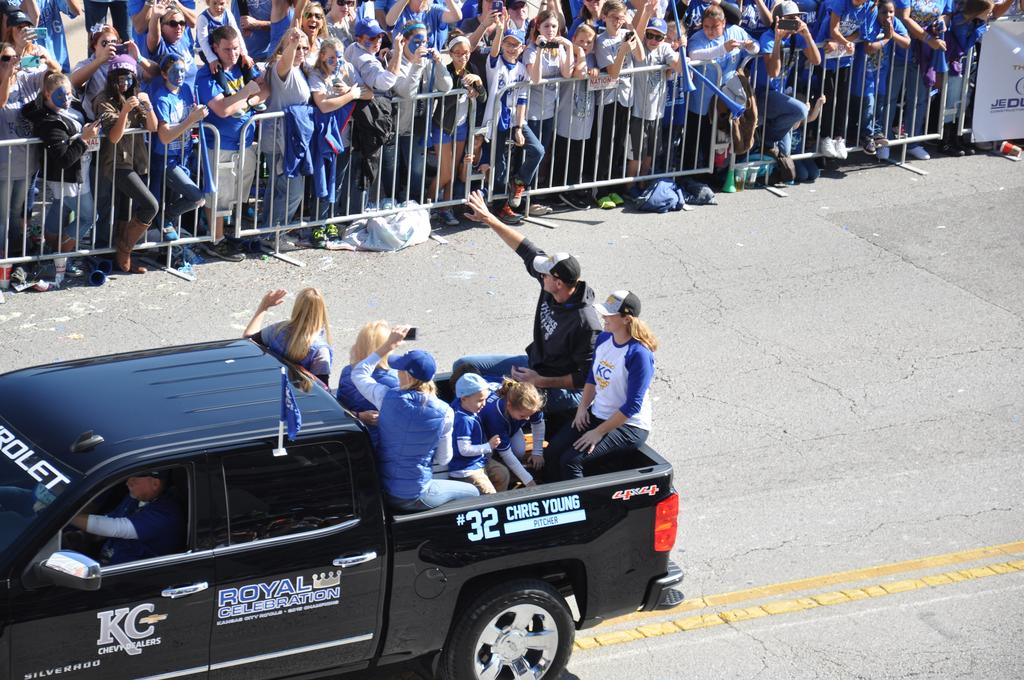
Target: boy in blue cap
x,y
471,460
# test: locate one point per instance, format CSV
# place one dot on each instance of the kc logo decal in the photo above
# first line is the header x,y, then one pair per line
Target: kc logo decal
x,y
120,628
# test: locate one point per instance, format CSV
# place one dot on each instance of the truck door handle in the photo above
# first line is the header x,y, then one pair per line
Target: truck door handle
x,y
184,591
353,560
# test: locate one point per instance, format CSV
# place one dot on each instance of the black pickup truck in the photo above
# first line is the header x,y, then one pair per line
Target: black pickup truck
x,y
290,566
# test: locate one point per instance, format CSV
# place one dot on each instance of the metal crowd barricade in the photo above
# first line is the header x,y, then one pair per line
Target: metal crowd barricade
x,y
666,139
881,102
59,220
275,204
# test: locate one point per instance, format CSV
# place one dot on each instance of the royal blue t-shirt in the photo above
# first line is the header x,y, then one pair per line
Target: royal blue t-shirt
x,y
871,71
796,43
230,128
160,527
172,108
437,29
257,44
497,422
852,20
184,49
56,43
136,6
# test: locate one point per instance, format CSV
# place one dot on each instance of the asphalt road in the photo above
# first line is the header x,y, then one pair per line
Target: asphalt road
x,y
839,387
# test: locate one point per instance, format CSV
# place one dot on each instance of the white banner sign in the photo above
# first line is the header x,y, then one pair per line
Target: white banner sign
x,y
999,99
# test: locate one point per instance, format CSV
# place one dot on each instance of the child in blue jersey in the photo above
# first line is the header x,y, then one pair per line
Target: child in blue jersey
x,y
614,416
372,335
871,71
305,339
470,449
508,410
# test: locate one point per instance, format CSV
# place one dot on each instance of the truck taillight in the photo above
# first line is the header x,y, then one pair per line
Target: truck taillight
x,y
666,521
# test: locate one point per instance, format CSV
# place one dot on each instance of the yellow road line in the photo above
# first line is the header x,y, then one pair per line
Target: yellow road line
x,y
814,582
777,608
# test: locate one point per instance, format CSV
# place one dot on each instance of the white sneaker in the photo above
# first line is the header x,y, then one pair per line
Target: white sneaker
x,y
826,147
839,144
882,153
919,153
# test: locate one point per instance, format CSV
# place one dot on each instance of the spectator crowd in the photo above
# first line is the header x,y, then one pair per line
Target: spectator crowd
x,y
564,94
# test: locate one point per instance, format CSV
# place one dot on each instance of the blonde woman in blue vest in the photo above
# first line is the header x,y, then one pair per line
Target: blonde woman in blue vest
x,y
415,428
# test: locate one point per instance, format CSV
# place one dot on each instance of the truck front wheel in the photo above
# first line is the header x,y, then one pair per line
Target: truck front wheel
x,y
518,629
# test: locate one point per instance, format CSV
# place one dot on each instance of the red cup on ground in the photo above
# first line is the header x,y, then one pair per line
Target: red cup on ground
x,y
1011,150
5,276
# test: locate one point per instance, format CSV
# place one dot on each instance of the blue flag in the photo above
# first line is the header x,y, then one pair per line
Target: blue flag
x,y
687,85
209,178
290,413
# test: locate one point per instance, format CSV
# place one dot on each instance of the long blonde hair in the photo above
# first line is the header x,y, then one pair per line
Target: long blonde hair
x,y
309,318
641,332
521,395
371,336
426,387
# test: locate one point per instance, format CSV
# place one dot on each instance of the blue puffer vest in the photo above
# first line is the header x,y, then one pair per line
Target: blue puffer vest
x,y
410,425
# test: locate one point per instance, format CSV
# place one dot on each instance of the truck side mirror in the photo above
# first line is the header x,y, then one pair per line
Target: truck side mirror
x,y
69,569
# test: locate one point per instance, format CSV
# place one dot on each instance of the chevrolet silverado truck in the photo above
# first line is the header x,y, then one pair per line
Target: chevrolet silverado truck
x,y
291,566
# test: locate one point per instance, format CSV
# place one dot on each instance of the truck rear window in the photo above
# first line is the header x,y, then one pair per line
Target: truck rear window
x,y
310,488
29,483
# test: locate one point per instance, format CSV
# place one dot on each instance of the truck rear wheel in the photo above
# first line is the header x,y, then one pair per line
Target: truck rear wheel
x,y
515,630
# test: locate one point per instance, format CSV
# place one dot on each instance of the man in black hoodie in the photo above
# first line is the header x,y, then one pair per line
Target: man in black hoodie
x,y
565,323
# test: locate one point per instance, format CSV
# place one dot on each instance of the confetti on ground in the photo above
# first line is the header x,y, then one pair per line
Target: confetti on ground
x,y
76,336
941,226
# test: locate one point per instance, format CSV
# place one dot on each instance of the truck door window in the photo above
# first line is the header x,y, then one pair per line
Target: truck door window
x,y
141,517
269,496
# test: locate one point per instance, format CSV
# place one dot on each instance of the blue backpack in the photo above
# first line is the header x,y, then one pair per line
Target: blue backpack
x,y
661,197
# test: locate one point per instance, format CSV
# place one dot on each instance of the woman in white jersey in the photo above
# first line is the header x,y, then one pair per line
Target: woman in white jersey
x,y
614,415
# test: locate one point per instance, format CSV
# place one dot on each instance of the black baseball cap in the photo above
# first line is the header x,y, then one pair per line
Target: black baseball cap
x,y
162,475
562,266
620,302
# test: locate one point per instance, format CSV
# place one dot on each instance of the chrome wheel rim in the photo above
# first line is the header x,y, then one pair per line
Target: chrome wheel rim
x,y
520,642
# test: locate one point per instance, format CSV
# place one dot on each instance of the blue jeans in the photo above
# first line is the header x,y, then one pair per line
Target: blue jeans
x,y
869,120
71,218
533,155
437,492
562,461
494,367
179,193
544,131
96,12
915,100
782,112
13,193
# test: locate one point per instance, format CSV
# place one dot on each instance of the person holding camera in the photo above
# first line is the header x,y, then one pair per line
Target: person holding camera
x,y
415,428
773,72
549,56
124,159
422,70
